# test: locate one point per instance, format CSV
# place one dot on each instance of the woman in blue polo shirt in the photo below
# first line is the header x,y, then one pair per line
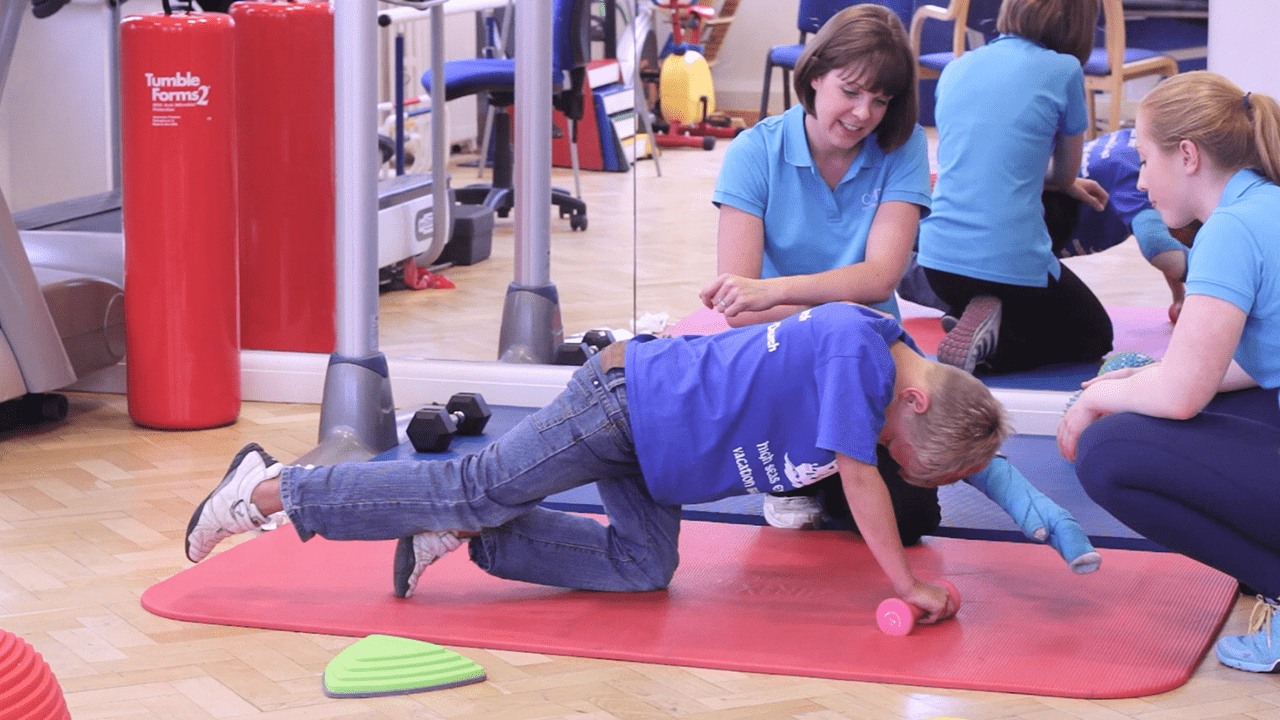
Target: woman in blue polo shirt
x,y
822,203
1184,451
1011,117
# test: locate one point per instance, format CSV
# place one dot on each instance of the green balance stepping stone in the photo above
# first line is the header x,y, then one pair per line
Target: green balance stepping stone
x,y
389,665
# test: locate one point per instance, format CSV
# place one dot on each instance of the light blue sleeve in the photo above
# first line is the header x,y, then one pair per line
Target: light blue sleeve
x,y
743,182
1225,262
1076,118
907,176
1153,235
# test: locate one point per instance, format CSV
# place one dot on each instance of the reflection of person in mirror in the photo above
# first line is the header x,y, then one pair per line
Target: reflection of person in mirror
x,y
985,248
822,202
653,423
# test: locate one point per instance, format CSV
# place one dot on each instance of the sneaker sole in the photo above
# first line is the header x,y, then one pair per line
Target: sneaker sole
x,y
957,347
195,516
1244,664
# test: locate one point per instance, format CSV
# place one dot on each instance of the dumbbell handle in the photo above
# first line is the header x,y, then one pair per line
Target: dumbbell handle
x,y
896,616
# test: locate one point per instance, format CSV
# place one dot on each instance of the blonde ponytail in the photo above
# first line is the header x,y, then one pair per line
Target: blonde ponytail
x,y
1234,128
1266,134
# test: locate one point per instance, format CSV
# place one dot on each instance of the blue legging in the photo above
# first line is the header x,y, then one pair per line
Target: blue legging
x,y
1208,487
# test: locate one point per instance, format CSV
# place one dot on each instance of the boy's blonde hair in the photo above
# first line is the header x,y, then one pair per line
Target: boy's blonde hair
x,y
873,36
1064,26
1236,129
963,428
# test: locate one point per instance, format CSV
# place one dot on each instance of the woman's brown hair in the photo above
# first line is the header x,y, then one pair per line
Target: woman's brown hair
x,y
871,38
1064,26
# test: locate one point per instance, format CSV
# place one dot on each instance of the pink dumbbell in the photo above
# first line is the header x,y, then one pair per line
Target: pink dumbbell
x,y
896,616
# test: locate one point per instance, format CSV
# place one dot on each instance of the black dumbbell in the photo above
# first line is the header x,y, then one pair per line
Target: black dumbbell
x,y
577,353
432,428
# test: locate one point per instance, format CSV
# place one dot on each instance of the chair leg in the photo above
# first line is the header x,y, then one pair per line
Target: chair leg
x,y
1117,104
764,93
502,151
499,194
786,89
1092,112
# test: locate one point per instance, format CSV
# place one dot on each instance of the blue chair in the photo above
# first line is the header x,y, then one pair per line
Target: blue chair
x,y
571,49
1112,64
812,16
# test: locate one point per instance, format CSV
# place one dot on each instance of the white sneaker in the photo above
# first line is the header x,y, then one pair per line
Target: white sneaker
x,y
415,553
227,510
793,512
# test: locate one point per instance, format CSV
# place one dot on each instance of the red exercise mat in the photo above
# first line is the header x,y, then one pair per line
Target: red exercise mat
x,y
757,599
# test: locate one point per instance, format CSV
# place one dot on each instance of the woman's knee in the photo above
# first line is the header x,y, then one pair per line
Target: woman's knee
x,y
1104,452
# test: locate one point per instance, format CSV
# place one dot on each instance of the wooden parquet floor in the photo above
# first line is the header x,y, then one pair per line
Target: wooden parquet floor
x,y
93,510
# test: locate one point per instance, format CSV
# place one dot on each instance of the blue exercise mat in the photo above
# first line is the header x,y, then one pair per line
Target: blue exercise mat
x,y
966,512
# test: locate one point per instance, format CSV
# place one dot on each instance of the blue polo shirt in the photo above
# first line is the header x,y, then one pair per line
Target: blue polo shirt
x,y
1000,109
760,408
1235,258
809,228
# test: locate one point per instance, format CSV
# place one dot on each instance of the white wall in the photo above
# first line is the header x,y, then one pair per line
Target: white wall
x,y
1243,34
739,70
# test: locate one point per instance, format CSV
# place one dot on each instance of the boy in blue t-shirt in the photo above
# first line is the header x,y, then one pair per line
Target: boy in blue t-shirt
x,y
655,424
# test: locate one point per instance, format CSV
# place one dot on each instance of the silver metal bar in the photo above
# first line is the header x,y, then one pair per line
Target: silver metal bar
x,y
356,184
439,143
533,145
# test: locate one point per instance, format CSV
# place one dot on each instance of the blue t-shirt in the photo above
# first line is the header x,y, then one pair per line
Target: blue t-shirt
x,y
1112,160
809,228
1000,109
760,408
1236,257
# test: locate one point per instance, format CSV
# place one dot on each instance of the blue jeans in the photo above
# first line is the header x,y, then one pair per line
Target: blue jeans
x,y
583,436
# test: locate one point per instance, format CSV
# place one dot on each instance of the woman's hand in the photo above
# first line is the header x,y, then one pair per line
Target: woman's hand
x,y
1079,416
1119,374
1089,192
733,294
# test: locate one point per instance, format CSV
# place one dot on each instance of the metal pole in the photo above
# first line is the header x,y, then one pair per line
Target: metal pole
x,y
441,213
357,417
531,324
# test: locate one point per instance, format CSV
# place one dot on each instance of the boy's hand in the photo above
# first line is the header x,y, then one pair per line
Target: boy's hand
x,y
933,600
